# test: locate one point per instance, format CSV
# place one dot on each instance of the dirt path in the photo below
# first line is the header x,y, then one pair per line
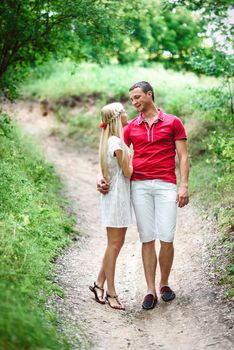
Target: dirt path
x,y
196,319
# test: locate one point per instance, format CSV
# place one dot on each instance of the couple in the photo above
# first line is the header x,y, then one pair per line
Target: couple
x,y
156,137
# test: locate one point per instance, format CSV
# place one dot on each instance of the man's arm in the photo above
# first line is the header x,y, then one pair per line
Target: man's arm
x,y
183,195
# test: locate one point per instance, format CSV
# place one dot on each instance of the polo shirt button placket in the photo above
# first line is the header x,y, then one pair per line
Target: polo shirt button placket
x,y
152,128
148,130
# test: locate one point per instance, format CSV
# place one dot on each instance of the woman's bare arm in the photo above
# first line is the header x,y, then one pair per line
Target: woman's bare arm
x,y
125,164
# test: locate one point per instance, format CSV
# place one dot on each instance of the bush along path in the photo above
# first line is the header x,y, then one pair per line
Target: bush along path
x,y
34,228
197,319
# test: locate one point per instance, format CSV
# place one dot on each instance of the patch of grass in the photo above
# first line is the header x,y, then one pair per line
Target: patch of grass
x,y
34,228
81,127
84,129
66,79
212,190
231,293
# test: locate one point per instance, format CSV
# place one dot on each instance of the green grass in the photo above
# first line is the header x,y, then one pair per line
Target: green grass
x,y
85,130
212,188
34,228
91,86
59,80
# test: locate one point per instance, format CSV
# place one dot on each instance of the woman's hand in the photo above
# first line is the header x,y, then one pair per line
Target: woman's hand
x,y
102,185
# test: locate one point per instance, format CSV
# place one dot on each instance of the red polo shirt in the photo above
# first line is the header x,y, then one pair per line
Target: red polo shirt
x,y
154,147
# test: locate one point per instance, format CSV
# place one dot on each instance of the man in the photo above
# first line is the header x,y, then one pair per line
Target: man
x,y
156,137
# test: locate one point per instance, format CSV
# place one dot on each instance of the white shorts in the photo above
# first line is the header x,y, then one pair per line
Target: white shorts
x,y
154,203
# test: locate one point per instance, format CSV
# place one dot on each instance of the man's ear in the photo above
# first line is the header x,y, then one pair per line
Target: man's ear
x,y
149,93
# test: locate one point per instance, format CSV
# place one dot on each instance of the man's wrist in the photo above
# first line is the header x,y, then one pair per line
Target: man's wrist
x,y
184,185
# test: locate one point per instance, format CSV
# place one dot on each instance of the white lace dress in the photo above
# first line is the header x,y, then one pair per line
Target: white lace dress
x,y
116,205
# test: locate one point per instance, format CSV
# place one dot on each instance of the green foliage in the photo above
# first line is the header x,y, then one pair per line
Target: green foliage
x,y
33,230
221,147
5,126
219,64
91,30
215,10
212,62
214,104
31,31
159,35
85,130
66,80
217,60
227,243
212,181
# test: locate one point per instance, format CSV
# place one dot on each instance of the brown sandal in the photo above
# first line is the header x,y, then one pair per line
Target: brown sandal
x,y
116,298
97,298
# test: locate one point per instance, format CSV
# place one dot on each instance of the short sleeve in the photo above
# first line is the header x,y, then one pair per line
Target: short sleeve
x,y
126,136
179,130
114,143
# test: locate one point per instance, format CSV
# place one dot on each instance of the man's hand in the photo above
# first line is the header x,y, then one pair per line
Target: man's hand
x,y
102,185
182,197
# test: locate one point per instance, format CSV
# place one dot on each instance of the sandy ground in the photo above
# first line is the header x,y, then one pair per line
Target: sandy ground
x,y
197,319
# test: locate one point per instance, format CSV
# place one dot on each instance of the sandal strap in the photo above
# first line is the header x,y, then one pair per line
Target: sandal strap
x,y
96,286
111,296
116,298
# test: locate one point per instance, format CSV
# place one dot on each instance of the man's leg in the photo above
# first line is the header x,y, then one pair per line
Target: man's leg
x,y
143,203
165,212
165,261
149,262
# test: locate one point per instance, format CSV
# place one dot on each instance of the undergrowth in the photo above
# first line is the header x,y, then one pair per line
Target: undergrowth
x,y
34,228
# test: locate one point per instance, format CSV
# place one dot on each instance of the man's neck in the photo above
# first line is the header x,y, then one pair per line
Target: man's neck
x,y
150,114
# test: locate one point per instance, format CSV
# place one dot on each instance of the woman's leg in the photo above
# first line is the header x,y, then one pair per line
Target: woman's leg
x,y
115,241
101,279
99,285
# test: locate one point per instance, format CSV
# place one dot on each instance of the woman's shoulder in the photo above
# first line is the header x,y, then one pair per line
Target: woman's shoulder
x,y
114,139
114,143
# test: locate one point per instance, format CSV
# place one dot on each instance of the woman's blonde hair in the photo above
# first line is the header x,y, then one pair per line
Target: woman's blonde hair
x,y
112,127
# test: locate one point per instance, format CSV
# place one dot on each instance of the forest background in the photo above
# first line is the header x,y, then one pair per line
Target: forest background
x,y
74,53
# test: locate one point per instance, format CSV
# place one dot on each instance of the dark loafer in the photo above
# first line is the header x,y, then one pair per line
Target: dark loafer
x,y
167,294
149,302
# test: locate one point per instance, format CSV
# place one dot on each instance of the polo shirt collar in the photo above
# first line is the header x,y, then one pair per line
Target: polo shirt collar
x,y
140,119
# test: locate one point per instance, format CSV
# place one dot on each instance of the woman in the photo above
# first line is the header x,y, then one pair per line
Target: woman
x,y
116,167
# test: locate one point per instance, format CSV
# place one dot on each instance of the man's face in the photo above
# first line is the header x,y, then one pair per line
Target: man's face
x,y
141,100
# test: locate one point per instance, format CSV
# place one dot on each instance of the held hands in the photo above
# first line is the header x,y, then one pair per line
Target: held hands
x,y
102,185
182,197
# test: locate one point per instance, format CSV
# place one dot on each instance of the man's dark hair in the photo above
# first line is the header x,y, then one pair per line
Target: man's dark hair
x,y
144,86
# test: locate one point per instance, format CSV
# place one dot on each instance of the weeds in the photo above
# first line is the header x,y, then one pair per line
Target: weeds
x,y
33,230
